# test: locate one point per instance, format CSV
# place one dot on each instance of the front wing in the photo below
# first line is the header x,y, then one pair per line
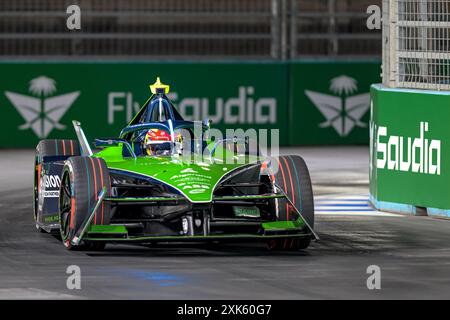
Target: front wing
x,y
199,225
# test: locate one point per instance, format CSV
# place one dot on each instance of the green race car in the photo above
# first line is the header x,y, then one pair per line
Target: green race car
x,y
164,179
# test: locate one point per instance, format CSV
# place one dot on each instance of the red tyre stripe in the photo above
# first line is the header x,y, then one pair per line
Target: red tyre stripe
x,y
71,147
265,169
290,179
95,187
101,179
285,187
72,213
39,170
64,146
272,177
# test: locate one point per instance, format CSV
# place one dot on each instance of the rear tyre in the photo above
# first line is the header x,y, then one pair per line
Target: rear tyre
x,y
293,177
44,149
82,180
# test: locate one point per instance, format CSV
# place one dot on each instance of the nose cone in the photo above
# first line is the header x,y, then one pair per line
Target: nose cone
x,y
196,181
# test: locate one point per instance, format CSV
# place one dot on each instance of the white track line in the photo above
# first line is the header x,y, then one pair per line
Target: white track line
x,y
349,205
33,294
360,214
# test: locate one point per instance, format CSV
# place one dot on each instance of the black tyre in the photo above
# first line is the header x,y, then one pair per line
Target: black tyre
x,y
49,148
82,180
288,244
294,179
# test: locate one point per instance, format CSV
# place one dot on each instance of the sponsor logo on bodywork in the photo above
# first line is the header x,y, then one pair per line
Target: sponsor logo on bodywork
x,y
50,186
192,182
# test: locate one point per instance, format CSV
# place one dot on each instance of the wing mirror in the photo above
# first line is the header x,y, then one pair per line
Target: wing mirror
x,y
127,149
103,143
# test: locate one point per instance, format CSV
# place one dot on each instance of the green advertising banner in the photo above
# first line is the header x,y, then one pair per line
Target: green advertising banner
x,y
410,142
39,100
311,103
330,102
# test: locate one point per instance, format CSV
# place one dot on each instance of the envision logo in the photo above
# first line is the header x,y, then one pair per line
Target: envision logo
x,y
421,156
243,109
51,181
342,112
49,187
42,114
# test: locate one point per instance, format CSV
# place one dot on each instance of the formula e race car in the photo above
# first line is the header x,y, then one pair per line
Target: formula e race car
x,y
165,180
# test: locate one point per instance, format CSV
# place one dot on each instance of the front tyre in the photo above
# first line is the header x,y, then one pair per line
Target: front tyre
x,y
293,177
82,180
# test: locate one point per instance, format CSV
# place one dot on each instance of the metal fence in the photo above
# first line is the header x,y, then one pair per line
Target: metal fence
x,y
418,55
267,29
333,28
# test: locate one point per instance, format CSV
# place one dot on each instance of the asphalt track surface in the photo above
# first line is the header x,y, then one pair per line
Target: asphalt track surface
x,y
412,252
